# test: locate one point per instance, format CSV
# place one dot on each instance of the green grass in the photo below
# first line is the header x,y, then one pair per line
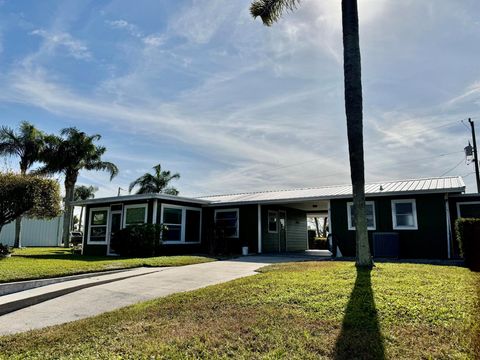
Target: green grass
x,y
292,311
35,263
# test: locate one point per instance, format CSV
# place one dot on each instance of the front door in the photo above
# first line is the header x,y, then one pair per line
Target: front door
x,y
282,230
115,225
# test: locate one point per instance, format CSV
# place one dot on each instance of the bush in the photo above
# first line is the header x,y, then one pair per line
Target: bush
x,y
138,240
4,250
468,236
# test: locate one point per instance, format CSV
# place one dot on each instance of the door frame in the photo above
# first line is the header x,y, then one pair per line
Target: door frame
x,y
109,229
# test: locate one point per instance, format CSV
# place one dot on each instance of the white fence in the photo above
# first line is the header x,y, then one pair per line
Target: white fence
x,y
35,232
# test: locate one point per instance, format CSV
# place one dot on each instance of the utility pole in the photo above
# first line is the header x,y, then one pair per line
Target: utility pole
x,y
475,154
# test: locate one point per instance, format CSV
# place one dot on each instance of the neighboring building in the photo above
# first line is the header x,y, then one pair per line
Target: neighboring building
x,y
35,232
406,219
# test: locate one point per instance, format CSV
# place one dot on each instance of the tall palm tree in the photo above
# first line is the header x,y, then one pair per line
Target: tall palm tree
x,y
270,11
155,183
27,143
68,154
83,192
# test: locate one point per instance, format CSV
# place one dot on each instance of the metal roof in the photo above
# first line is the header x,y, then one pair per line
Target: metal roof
x,y
122,198
452,184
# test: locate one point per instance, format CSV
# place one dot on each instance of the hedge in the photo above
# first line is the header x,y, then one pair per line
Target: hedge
x,y
468,236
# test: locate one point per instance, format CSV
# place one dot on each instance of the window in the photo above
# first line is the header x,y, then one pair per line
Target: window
x,y
183,224
135,215
98,226
370,212
227,219
404,214
272,221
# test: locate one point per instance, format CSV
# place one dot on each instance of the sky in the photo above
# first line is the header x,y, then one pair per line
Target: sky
x,y
233,106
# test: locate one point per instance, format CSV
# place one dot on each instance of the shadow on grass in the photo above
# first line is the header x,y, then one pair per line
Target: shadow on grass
x,y
361,336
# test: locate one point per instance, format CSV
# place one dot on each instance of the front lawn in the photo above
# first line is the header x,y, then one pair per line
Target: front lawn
x,y
35,263
306,310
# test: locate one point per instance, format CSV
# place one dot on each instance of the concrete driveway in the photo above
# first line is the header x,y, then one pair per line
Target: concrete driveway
x,y
107,297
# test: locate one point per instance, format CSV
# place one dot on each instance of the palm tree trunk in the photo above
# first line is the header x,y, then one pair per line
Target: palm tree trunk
x,y
317,226
67,216
80,219
354,113
18,233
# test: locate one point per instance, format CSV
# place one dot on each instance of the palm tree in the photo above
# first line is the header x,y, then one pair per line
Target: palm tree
x,y
73,151
83,192
270,11
155,183
27,144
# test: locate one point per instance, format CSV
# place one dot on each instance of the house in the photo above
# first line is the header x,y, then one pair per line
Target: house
x,y
406,219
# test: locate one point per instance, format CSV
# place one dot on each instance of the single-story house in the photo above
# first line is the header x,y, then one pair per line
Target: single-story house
x,y
406,219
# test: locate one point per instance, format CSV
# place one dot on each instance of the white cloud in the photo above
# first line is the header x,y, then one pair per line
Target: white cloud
x,y
132,29
54,40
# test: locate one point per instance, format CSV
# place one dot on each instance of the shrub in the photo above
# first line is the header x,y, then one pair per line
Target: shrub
x,y
4,250
138,240
468,236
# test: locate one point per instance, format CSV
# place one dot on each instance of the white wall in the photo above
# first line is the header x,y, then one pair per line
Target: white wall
x,y
35,232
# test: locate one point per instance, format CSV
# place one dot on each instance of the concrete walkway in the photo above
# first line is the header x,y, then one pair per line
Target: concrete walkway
x,y
107,297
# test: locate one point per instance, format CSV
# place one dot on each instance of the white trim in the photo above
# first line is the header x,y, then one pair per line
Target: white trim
x,y
394,215
349,216
449,227
107,209
276,221
182,224
154,215
280,233
134,206
465,203
237,233
259,227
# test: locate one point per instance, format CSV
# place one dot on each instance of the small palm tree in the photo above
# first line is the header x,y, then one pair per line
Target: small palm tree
x,y
68,154
83,192
270,11
27,143
155,183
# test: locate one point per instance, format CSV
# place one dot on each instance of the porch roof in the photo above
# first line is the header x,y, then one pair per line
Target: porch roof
x,y
451,184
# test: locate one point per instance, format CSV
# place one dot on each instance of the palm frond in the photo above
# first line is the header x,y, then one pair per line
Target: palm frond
x,y
270,11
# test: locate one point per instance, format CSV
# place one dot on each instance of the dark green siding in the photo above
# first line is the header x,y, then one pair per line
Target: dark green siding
x,y
428,242
453,200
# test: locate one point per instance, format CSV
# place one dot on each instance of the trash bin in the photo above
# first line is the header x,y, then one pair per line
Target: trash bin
x,y
245,250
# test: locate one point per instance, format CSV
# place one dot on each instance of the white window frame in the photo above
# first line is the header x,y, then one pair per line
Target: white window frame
x,y
349,216
238,220
459,204
183,223
107,225
394,215
276,222
134,206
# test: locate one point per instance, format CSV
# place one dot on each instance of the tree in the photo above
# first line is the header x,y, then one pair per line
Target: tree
x,y
27,195
270,11
83,192
155,183
27,143
68,154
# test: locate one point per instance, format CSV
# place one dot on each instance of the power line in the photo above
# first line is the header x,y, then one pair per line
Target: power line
x,y
446,172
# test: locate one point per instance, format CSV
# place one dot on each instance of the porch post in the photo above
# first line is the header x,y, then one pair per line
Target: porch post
x,y
154,215
259,228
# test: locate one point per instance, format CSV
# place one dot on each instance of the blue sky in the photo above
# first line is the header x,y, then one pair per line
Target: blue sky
x,y
231,105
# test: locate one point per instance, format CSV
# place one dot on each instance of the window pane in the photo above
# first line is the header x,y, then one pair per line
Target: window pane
x,y
226,215
192,226
405,220
172,233
135,216
98,231
403,208
99,217
272,222
172,216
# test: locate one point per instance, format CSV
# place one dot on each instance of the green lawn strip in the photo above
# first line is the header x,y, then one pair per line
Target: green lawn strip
x,y
35,263
294,311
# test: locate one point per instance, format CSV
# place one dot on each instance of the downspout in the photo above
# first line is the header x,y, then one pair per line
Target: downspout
x,y
449,227
259,227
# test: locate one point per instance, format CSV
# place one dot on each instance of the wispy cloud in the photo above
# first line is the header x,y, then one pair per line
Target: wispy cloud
x,y
63,40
